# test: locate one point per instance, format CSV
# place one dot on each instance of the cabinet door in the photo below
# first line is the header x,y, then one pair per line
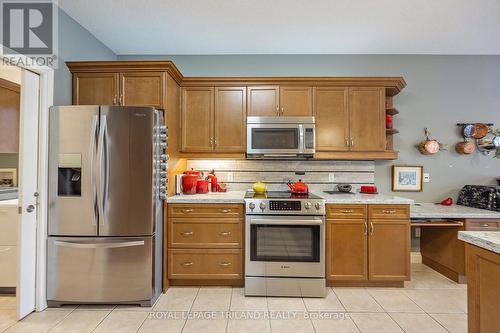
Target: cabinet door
x,y
367,119
10,99
296,101
95,88
332,119
389,250
346,250
263,101
230,119
142,89
197,113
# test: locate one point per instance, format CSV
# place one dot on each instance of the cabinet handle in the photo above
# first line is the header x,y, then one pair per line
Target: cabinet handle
x,y
215,142
347,143
187,233
225,264
225,211
372,232
391,211
366,228
282,111
352,142
346,211
187,263
277,110
211,142
114,100
121,100
186,211
225,233
485,225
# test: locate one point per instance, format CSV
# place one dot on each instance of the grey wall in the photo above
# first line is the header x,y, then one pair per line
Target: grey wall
x,y
75,43
441,91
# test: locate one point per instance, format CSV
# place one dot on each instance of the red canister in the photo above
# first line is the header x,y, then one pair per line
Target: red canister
x,y
202,186
189,184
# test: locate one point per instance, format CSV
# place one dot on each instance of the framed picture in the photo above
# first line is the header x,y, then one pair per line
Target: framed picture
x,y
407,178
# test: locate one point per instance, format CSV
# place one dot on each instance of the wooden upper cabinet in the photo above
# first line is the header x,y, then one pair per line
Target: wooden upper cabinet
x,y
263,101
347,250
332,119
230,119
197,111
95,88
10,99
142,89
296,101
367,119
389,250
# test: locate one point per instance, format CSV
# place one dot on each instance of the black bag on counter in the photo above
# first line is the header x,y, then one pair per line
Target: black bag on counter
x,y
480,196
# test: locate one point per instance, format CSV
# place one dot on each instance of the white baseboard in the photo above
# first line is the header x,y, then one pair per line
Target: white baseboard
x,y
415,258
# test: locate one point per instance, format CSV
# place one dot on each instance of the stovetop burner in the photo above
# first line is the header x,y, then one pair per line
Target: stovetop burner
x,y
279,195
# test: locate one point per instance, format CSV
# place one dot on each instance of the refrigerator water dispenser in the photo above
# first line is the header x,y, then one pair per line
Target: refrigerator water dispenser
x,y
69,178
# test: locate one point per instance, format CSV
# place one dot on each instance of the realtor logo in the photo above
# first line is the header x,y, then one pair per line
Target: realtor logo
x,y
30,28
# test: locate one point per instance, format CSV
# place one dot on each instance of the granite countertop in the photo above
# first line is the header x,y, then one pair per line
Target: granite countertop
x,y
9,203
361,198
238,197
430,210
214,197
489,240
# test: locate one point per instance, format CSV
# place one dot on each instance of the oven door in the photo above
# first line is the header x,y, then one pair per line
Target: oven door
x,y
285,246
275,139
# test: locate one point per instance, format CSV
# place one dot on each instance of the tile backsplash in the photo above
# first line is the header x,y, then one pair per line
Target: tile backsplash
x,y
319,175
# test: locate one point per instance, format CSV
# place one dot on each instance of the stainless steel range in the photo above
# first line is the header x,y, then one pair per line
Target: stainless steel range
x,y
285,245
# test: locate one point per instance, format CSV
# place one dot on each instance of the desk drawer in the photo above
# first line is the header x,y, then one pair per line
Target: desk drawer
x,y
482,225
388,212
205,210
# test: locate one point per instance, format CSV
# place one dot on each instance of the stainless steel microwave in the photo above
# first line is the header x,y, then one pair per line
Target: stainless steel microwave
x,y
280,137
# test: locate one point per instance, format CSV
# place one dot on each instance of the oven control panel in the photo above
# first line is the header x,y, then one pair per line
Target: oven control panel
x,y
285,205
313,207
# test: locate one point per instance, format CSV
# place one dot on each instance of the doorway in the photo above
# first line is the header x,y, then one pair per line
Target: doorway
x,y
23,128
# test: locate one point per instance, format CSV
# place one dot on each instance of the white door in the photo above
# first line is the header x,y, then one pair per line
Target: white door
x,y
28,170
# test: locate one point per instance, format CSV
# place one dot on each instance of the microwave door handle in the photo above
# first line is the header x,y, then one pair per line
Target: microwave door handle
x,y
301,138
286,222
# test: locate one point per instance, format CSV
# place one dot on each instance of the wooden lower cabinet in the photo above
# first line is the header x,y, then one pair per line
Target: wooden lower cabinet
x,y
205,264
347,249
389,250
364,251
205,244
483,293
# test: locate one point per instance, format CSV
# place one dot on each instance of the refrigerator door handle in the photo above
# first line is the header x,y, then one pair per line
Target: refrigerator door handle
x,y
98,245
92,152
102,172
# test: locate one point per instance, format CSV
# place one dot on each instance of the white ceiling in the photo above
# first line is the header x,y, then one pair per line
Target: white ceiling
x,y
292,26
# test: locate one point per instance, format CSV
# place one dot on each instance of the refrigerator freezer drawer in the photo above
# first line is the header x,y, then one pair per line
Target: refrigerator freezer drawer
x,y
100,270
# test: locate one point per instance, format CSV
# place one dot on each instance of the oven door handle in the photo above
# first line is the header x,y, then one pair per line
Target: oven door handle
x,y
287,222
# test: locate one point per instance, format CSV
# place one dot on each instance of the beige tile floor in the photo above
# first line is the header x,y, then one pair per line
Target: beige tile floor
x,y
429,303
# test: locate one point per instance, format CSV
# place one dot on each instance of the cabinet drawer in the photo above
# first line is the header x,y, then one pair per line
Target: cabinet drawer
x,y
9,223
389,212
205,264
205,210
346,211
8,264
195,233
482,225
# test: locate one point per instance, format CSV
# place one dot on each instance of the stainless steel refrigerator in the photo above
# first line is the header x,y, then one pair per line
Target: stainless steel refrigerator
x,y
107,177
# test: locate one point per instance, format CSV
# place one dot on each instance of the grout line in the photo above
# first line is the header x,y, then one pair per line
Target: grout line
x,y
402,329
102,320
229,310
190,308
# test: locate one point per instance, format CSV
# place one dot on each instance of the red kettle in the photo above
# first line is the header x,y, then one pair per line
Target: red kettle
x,y
299,187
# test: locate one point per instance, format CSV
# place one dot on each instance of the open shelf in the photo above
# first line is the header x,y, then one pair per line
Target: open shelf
x,y
392,111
